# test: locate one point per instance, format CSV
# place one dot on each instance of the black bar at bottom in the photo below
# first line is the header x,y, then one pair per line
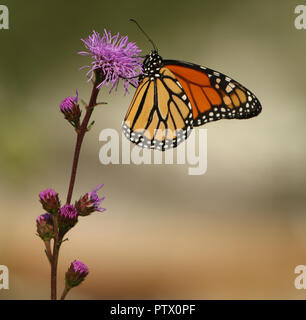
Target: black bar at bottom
x,y
154,309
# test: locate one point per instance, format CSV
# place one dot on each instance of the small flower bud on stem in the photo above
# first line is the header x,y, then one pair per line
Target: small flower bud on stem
x,y
71,110
75,275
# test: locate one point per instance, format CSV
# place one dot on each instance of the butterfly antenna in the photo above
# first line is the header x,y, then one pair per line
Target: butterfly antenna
x,y
146,35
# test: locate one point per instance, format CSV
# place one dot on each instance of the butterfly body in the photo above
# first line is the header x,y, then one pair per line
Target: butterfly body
x,y
175,96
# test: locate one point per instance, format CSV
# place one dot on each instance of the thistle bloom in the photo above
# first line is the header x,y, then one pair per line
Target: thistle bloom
x,y
71,110
95,198
50,201
114,57
90,202
76,273
68,103
44,225
67,218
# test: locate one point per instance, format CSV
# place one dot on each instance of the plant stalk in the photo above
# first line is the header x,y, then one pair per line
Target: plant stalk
x,y
57,239
80,136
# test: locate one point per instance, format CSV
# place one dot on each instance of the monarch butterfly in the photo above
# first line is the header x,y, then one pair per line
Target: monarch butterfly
x,y
174,96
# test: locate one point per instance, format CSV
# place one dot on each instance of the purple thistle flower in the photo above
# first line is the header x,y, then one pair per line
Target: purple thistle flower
x,y
95,198
76,273
71,110
90,202
44,224
80,267
69,212
68,217
49,200
114,57
68,103
45,218
47,194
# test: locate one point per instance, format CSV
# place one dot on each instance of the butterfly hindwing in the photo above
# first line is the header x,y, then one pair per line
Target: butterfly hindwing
x,y
212,94
160,115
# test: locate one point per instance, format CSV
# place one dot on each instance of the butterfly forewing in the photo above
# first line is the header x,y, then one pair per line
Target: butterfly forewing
x,y
213,95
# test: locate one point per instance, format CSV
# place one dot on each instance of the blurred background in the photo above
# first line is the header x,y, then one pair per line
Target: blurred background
x,y
237,232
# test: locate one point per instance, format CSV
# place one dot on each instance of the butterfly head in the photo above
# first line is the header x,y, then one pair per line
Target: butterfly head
x,y
152,63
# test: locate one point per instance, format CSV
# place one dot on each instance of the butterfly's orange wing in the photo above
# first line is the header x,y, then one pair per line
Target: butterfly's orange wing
x,y
160,114
213,95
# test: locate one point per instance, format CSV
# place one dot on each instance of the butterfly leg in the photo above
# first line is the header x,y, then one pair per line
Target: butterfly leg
x,y
130,82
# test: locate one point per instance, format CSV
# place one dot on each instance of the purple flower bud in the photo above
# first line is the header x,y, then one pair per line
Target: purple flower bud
x,y
67,218
76,273
71,110
114,58
44,225
50,201
90,202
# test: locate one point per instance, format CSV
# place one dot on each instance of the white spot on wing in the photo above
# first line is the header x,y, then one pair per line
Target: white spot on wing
x,y
228,89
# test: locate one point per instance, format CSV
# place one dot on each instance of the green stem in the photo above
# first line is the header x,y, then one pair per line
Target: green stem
x,y
65,293
54,260
81,133
48,250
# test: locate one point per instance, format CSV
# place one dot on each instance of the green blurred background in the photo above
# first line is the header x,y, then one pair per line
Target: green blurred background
x,y
236,232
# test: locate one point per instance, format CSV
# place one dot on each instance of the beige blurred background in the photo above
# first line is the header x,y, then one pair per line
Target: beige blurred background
x,y
236,232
